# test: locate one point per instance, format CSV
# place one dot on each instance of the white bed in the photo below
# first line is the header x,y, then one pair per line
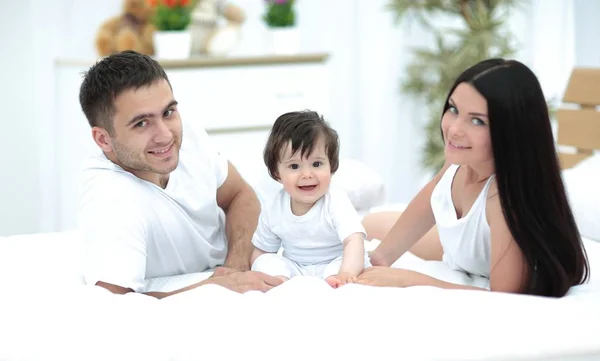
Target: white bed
x,y
46,313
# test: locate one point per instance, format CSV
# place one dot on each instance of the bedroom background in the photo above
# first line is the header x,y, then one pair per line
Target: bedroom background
x,y
367,55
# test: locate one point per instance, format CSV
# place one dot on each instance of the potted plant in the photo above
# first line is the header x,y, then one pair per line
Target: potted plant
x,y
172,39
483,33
280,18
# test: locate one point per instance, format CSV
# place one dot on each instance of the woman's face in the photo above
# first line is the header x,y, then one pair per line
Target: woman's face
x,y
465,126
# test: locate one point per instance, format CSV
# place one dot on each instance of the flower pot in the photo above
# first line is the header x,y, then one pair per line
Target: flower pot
x,y
172,44
284,40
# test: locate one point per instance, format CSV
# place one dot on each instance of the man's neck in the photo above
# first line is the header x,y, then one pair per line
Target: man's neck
x,y
161,180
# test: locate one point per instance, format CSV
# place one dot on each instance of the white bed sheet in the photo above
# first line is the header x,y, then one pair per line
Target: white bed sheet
x,y
47,314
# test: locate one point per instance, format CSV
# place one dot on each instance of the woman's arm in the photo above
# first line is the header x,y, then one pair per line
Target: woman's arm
x,y
398,277
412,225
507,264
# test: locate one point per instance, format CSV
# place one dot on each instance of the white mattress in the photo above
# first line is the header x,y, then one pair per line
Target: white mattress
x,y
47,314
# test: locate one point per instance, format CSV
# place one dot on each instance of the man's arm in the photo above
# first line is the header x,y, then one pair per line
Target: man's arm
x,y
239,282
242,209
122,290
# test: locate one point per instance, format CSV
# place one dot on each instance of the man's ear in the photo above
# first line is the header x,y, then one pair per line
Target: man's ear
x,y
102,138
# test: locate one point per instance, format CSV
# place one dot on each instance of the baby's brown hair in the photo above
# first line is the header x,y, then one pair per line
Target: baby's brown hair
x,y
302,129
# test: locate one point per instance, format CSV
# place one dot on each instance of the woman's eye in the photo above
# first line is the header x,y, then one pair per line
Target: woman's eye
x,y
477,121
453,109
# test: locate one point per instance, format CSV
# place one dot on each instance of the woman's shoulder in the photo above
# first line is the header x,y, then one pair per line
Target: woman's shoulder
x,y
446,168
493,189
493,206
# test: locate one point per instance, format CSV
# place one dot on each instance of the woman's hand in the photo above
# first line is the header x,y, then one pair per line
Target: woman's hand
x,y
386,277
377,258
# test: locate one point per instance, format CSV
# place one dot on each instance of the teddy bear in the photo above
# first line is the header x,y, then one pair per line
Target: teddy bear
x,y
209,34
131,30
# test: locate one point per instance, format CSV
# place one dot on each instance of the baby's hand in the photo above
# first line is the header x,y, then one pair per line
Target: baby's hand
x,y
341,279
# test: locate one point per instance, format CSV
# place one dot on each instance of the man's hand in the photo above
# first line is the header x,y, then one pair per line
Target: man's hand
x,y
247,281
224,271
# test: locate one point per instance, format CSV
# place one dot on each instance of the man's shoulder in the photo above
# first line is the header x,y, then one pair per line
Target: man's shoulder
x,y
98,164
100,178
195,136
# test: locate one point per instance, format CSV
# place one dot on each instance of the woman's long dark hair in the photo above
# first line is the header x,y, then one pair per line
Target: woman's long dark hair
x,y
530,186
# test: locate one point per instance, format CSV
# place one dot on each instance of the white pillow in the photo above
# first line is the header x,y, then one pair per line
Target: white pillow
x,y
362,184
582,183
41,259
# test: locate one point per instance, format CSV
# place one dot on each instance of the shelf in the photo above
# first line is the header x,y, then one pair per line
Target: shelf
x,y
214,62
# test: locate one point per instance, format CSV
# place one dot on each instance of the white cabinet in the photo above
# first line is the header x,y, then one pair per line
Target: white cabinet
x,y
235,99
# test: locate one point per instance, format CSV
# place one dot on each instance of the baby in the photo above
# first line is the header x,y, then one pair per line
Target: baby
x,y
316,225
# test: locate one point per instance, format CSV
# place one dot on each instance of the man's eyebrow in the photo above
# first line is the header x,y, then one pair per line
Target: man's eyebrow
x,y
139,117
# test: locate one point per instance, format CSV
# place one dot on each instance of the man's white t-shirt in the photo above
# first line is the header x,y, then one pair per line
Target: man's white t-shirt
x,y
134,230
315,237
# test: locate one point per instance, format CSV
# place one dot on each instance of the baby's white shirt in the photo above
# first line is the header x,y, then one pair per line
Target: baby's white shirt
x,y
313,238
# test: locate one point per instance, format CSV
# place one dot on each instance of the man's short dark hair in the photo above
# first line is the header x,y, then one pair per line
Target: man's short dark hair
x,y
302,129
108,78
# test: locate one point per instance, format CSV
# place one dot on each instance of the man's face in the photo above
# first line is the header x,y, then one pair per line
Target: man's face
x,y
147,132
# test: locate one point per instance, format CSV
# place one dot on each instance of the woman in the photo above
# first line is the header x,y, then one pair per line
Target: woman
x,y
498,207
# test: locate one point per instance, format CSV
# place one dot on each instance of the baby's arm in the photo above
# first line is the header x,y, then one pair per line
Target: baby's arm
x,y
257,253
351,232
353,258
264,240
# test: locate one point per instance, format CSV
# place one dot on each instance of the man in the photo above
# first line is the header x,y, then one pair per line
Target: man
x,y
159,200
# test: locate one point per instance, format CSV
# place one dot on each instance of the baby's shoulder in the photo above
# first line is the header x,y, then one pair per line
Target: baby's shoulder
x,y
336,192
277,203
336,197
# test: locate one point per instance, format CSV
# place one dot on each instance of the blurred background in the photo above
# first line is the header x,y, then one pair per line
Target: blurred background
x,y
375,69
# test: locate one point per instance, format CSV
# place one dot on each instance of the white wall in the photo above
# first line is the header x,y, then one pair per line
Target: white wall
x,y
587,33
377,124
19,170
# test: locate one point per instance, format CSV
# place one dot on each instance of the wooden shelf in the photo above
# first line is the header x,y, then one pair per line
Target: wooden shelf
x,y
214,62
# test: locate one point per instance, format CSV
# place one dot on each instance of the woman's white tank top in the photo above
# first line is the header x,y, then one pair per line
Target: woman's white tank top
x,y
466,241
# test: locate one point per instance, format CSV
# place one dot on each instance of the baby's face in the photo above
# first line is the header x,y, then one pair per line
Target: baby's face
x,y
306,179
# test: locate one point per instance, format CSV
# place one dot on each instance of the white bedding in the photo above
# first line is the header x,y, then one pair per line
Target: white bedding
x,y
47,314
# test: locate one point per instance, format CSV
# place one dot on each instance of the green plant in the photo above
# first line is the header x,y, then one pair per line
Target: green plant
x,y
481,35
171,15
280,13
